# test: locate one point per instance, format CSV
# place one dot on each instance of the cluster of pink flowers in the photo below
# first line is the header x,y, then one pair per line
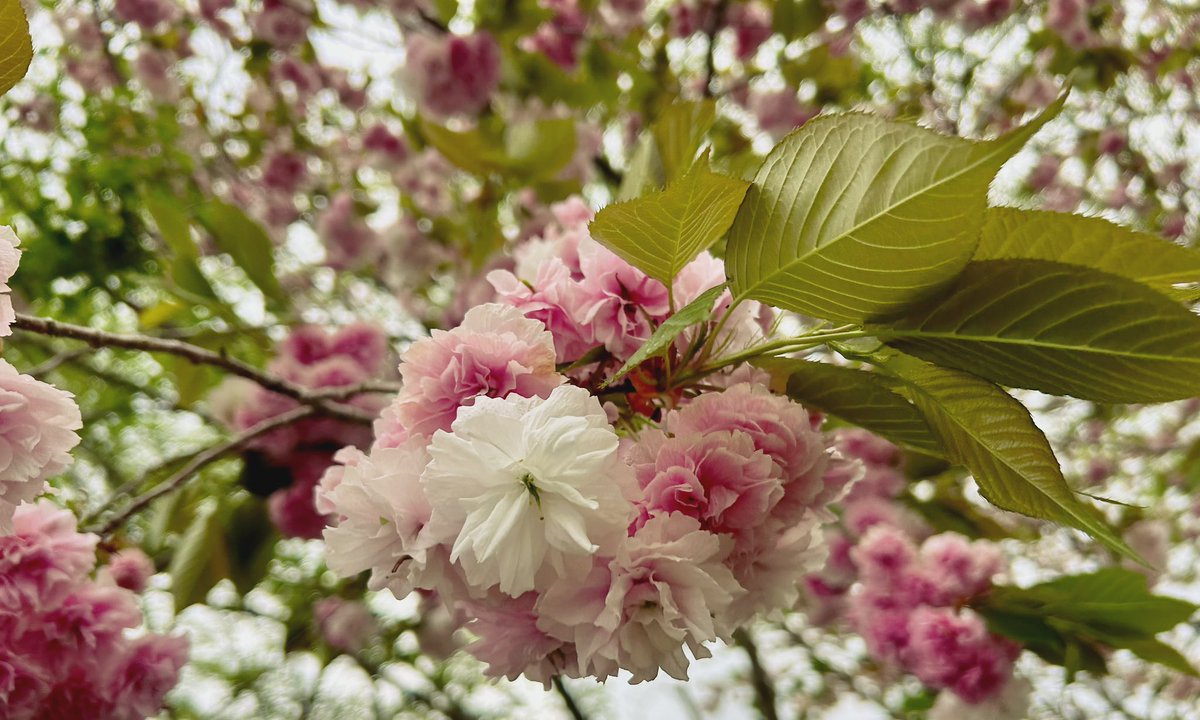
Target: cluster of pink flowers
x,y
452,74
507,490
559,37
588,297
310,357
38,422
903,589
65,650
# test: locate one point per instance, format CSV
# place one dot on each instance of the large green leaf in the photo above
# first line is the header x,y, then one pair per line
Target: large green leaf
x,y
1112,607
16,47
858,397
1061,329
853,217
698,310
1009,233
662,232
679,132
201,559
246,242
991,434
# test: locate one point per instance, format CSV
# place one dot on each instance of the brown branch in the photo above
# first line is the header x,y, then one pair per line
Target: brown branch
x,y
320,400
764,689
197,463
568,699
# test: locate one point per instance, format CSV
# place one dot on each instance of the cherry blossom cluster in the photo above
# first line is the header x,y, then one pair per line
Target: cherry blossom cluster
x,y
904,590
583,533
38,422
65,645
588,297
297,454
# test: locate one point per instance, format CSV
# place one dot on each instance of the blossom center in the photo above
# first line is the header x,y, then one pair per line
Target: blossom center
x,y
530,483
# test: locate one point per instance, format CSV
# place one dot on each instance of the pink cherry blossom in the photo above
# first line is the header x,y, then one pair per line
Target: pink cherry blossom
x,y
494,352
719,478
10,256
661,592
380,511
452,74
281,24
779,427
511,643
38,425
954,651
131,569
346,625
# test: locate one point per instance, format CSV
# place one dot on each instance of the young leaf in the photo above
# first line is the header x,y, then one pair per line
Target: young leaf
x,y
1061,329
858,397
1112,607
16,47
698,310
680,131
991,434
645,170
246,243
660,233
200,560
1009,233
853,217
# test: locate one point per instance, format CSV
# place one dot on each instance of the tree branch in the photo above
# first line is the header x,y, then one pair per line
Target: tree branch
x,y
197,463
320,400
568,699
764,689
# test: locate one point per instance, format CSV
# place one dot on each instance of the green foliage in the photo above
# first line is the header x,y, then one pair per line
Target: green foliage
x,y
698,310
852,217
528,152
679,132
991,434
201,559
1061,329
247,243
662,232
1069,621
16,47
1009,234
857,397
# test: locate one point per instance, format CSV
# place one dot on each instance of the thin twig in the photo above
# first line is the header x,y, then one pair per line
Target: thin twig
x,y
198,462
55,362
568,699
318,399
764,689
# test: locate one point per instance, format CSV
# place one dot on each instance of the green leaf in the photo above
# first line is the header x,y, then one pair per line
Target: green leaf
x,y
1061,329
1111,607
1009,233
853,217
16,47
698,310
200,560
644,171
679,132
856,396
991,434
532,150
660,233
172,224
246,242
797,18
